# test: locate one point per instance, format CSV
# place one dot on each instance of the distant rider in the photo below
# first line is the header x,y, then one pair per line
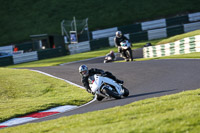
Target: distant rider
x,y
85,73
112,55
118,39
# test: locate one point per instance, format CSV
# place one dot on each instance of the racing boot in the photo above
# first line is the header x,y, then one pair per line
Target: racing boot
x,y
119,81
127,60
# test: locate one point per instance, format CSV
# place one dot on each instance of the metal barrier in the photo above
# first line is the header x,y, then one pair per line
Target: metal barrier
x,y
104,33
156,34
6,49
79,47
25,57
153,24
191,27
194,16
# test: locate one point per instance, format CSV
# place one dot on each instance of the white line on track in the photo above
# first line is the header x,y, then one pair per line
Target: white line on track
x,y
81,60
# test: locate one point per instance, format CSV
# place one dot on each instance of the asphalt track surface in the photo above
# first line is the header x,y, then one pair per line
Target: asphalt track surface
x,y
144,79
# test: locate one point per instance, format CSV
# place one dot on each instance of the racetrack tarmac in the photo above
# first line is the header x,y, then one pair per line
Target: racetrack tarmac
x,y
144,79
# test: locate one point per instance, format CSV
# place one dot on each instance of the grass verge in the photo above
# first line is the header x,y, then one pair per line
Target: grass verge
x,y
173,113
24,91
195,55
179,37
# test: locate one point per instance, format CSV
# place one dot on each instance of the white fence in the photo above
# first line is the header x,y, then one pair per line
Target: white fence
x,y
183,46
25,57
194,17
191,26
104,33
79,47
111,41
153,24
149,25
156,34
7,49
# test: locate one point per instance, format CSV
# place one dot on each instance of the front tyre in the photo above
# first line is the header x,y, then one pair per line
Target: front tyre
x,y
129,54
99,98
105,61
126,92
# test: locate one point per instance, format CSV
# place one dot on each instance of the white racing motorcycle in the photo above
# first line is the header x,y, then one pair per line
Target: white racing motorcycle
x,y
104,87
108,59
125,45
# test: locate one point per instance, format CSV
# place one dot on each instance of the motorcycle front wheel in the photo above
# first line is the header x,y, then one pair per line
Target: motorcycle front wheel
x,y
126,92
128,54
99,98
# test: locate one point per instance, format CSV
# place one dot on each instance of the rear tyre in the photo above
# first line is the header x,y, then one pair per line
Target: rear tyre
x,y
126,92
99,98
128,53
112,93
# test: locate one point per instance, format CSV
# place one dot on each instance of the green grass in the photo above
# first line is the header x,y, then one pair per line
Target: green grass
x,y
174,113
195,55
25,91
20,19
179,37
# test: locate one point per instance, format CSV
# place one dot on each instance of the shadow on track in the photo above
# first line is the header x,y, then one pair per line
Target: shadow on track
x,y
138,95
150,93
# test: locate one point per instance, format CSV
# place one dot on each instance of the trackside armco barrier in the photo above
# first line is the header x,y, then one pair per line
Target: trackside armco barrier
x,y
104,33
194,16
25,57
183,46
153,24
148,25
191,26
79,47
157,33
7,49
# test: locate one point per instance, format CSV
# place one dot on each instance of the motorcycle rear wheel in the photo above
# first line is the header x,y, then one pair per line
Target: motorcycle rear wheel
x,y
112,93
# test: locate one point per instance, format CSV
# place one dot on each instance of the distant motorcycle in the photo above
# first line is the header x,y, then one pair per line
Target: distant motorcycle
x,y
104,87
108,59
126,50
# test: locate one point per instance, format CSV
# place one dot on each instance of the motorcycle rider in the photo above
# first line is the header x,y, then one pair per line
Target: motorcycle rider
x,y
85,73
110,54
118,39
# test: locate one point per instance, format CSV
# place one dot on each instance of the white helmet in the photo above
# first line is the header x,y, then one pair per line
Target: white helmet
x,y
118,34
83,70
